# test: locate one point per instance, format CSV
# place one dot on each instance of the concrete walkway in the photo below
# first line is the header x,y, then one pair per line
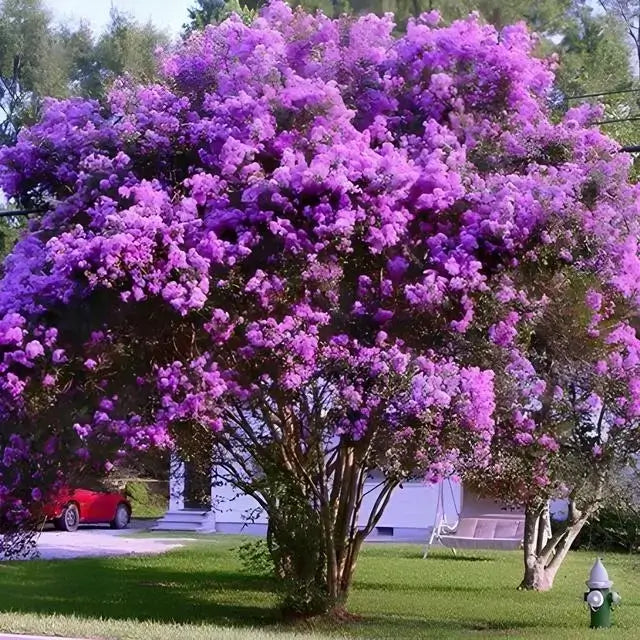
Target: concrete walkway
x,y
86,543
97,542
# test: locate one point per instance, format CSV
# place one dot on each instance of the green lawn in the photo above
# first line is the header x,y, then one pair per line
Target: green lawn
x,y
398,595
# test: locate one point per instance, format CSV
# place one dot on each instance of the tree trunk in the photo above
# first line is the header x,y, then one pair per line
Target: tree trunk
x,y
315,547
537,577
544,552
312,492
531,564
314,571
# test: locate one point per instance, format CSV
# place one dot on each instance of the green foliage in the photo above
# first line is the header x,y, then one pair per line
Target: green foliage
x,y
594,56
27,65
128,48
145,503
296,545
25,33
614,529
544,16
617,525
10,229
628,12
247,11
203,13
256,557
137,491
206,12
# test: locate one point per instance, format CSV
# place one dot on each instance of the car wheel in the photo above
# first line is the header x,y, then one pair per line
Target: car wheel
x,y
69,520
122,517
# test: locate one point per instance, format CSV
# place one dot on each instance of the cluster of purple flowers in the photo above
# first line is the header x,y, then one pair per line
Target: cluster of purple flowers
x,y
302,199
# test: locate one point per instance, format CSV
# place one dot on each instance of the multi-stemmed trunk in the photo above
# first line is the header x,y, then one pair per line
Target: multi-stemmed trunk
x,y
544,550
315,535
311,487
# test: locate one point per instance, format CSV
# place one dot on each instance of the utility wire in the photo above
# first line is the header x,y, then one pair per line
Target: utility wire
x,y
633,118
603,93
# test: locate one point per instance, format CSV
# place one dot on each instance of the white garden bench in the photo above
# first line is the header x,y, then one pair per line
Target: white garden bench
x,y
482,524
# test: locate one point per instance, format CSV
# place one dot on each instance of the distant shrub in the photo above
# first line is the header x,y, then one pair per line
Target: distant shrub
x,y
613,529
148,498
138,492
616,526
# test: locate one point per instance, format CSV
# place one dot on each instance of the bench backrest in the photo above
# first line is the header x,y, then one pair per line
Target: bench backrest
x,y
491,528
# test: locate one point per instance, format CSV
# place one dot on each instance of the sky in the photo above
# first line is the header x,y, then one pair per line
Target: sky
x,y
169,15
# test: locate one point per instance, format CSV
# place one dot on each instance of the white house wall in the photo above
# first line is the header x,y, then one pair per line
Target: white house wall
x,y
411,511
409,515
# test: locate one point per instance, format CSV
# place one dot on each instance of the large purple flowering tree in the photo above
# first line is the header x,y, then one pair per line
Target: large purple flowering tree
x,y
300,254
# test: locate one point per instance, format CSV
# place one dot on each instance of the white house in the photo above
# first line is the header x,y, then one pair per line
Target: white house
x,y
409,516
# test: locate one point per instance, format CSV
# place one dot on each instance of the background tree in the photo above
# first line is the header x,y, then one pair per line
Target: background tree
x,y
595,66
594,57
206,12
126,48
29,68
545,17
38,60
10,229
567,424
628,12
616,526
29,62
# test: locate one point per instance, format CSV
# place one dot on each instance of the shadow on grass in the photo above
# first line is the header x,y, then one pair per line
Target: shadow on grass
x,y
204,584
380,550
127,590
460,558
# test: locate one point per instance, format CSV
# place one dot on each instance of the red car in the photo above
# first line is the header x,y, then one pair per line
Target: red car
x,y
71,507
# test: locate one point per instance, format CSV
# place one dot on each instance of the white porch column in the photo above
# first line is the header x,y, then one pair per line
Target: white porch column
x,y
176,483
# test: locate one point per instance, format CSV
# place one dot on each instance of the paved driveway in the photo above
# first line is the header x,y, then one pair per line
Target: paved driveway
x,y
101,542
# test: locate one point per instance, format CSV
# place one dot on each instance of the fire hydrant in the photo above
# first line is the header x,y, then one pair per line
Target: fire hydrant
x,y
600,598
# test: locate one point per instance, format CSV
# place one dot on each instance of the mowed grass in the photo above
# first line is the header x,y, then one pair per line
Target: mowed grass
x,y
396,594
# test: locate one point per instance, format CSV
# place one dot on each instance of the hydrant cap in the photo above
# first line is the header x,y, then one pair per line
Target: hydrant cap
x,y
598,578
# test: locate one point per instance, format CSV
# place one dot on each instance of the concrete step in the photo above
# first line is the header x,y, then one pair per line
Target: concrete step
x,y
186,520
185,517
177,524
